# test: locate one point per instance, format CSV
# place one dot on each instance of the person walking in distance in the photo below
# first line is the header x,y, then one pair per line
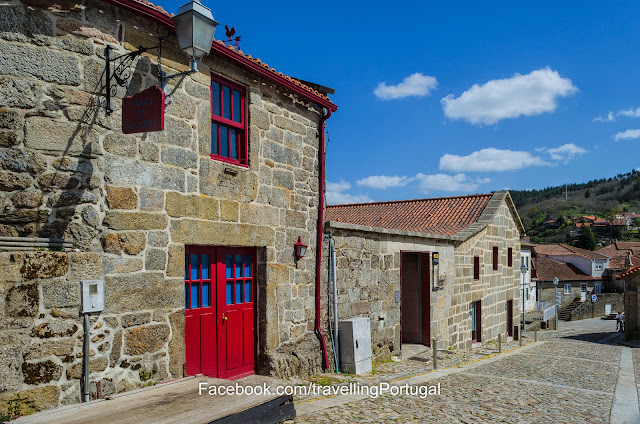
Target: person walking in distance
x,y
618,321
622,319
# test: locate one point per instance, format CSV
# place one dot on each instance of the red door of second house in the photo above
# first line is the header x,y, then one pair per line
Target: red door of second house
x,y
219,313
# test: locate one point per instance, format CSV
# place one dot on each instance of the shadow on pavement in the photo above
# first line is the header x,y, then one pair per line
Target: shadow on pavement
x,y
610,337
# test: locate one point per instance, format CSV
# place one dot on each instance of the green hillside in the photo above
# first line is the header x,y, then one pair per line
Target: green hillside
x,y
601,198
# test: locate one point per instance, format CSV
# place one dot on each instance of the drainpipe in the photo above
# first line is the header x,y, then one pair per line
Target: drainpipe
x,y
321,158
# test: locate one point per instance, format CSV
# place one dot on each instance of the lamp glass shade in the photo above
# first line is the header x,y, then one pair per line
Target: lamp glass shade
x,y
555,281
523,268
195,28
299,248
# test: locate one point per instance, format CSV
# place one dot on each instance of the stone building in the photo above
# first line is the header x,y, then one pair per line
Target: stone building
x,y
631,311
177,223
445,268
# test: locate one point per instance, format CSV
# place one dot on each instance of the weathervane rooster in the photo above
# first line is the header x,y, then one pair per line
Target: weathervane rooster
x,y
230,39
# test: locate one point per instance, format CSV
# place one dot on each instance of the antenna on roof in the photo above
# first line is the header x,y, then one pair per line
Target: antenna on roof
x,y
230,39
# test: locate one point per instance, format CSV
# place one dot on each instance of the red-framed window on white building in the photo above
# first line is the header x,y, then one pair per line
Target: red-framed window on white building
x,y
228,122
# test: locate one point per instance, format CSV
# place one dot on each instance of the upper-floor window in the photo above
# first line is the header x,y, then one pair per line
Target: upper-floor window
x,y
510,257
495,258
598,267
567,289
476,267
228,122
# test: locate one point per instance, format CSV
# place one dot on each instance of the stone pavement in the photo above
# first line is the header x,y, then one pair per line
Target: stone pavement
x,y
573,375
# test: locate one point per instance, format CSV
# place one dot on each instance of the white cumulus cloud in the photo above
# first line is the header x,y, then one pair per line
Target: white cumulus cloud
x,y
610,117
566,152
628,135
414,85
490,160
335,195
520,95
382,182
444,182
631,113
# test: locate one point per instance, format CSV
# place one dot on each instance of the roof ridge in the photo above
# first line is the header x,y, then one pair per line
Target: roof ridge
x,y
410,200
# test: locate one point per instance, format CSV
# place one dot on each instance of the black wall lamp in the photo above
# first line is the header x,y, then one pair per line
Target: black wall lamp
x,y
194,26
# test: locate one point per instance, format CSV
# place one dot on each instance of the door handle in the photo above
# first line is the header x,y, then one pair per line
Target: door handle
x,y
224,318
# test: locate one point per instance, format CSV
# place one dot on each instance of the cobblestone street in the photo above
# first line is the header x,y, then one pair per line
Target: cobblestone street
x,y
568,376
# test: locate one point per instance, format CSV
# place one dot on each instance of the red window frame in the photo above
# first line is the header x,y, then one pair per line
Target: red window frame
x,y
495,258
510,257
476,267
240,127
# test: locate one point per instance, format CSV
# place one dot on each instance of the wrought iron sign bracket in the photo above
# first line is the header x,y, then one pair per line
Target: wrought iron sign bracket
x,y
122,72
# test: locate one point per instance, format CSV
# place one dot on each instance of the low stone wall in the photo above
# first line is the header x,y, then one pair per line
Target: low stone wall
x,y
596,309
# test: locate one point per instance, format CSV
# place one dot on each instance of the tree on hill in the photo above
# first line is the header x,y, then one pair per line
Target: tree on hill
x,y
587,240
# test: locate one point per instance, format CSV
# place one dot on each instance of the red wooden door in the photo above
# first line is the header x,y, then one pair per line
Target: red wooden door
x,y
235,312
199,311
219,313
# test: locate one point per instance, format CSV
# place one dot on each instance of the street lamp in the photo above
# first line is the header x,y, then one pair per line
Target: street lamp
x,y
523,271
555,298
195,27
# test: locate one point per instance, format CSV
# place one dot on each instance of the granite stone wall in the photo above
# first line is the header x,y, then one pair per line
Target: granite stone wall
x,y
132,203
368,276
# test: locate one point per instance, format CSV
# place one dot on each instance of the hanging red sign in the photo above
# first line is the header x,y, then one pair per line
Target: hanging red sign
x,y
143,112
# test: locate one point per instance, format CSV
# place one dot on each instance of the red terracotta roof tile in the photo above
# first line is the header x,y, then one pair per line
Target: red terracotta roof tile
x,y
441,216
241,53
546,269
617,253
564,249
630,272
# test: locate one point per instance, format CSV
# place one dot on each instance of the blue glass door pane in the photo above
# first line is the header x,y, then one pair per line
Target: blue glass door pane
x,y
224,141
206,295
195,267
229,266
205,268
247,291
195,295
214,139
233,142
215,98
186,296
226,102
247,266
238,266
238,291
237,115
230,293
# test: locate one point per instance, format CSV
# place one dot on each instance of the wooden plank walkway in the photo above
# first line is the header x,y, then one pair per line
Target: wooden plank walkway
x,y
176,402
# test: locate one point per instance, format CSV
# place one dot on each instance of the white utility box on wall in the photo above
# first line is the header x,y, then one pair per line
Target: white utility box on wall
x,y
355,345
92,296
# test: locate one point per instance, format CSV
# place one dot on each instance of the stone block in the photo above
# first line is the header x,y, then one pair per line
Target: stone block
x,y
11,182
175,262
46,397
22,300
182,158
149,290
95,365
201,207
177,132
131,320
155,260
45,264
90,216
41,372
148,339
133,243
283,179
121,265
60,294
121,198
10,361
183,106
151,200
19,93
135,221
121,144
53,66
85,265
19,160
41,350
9,138
27,199
11,119
192,231
157,239
229,211
56,137
55,328
10,264
176,344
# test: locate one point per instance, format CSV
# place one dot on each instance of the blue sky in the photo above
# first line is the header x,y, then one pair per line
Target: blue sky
x,y
449,98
